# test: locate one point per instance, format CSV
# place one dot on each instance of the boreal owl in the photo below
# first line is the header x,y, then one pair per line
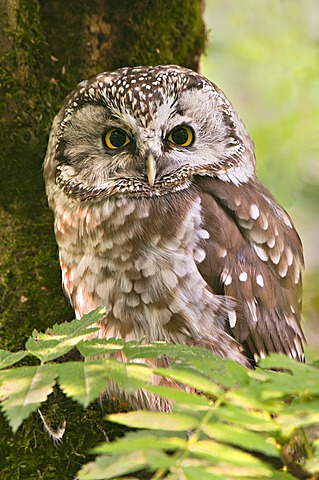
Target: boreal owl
x,y
159,217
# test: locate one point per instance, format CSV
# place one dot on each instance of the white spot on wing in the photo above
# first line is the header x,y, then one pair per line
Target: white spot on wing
x,y
226,277
243,276
283,269
253,310
258,235
271,242
199,255
260,280
275,257
254,211
289,256
203,234
222,253
286,220
232,318
264,222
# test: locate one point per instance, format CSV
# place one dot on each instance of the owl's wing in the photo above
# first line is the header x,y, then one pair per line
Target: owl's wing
x,y
255,255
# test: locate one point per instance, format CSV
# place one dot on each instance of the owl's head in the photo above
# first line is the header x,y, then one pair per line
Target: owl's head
x,y
145,131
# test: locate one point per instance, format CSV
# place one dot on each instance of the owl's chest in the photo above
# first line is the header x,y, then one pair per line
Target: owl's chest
x,y
137,258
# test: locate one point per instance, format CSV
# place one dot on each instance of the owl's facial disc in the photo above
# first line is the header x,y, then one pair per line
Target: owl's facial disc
x,y
145,132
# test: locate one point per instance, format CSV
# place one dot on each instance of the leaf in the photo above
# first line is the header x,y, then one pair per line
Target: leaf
x,y
241,437
62,338
192,378
180,396
24,389
250,397
138,375
281,476
144,440
200,472
312,463
280,361
110,467
302,380
253,420
78,326
229,457
227,373
173,422
106,467
82,381
298,414
99,346
10,358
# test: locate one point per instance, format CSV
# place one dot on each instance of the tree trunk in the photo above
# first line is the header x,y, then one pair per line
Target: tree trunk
x,y
46,48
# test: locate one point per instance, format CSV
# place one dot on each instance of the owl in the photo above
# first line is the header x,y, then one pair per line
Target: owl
x,y
160,218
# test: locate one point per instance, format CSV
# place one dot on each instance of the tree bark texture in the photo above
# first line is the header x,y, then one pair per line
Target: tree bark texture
x,y
46,48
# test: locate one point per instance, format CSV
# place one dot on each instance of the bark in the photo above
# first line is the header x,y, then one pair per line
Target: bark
x,y
46,48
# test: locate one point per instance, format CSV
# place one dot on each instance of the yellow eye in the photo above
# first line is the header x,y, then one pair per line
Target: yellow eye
x,y
182,136
116,138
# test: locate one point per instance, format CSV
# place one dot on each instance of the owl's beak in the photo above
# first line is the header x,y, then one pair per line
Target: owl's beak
x,y
151,169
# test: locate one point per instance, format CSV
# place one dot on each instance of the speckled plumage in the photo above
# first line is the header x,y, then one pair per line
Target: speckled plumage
x,y
180,243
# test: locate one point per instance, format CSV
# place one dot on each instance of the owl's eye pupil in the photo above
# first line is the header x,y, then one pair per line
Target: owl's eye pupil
x,y
182,136
116,138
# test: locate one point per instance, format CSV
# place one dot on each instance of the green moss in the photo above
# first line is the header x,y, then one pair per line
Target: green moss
x,y
156,32
30,288
52,47
31,454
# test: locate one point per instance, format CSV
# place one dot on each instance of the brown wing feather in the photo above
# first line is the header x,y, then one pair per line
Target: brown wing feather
x,y
254,254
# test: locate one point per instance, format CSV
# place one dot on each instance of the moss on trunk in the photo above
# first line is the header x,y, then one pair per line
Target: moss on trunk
x,y
46,49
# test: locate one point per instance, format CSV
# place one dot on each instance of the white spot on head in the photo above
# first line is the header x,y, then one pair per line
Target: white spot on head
x,y
243,276
260,280
254,211
232,318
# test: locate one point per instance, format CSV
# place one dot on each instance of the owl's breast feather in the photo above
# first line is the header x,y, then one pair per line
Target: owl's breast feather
x,y
138,258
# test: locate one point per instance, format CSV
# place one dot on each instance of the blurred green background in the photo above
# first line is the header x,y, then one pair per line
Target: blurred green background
x,y
265,56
